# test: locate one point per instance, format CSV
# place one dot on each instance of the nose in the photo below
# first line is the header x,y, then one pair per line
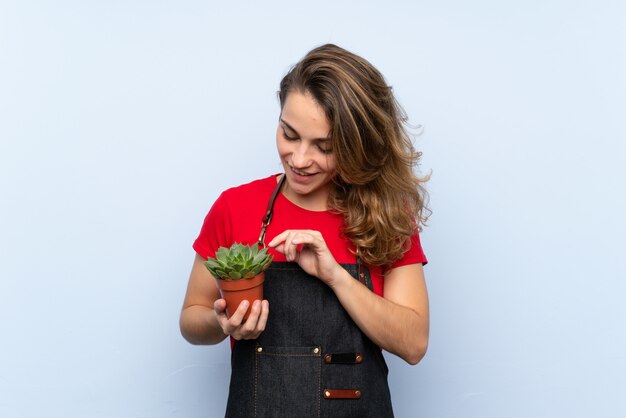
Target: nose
x,y
300,155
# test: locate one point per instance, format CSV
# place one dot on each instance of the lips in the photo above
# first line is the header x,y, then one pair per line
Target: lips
x,y
302,177
302,173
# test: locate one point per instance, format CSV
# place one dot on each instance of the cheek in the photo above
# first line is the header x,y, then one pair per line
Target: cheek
x,y
280,144
330,164
282,150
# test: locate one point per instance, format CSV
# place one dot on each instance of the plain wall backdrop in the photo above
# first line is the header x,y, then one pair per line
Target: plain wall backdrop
x,y
122,121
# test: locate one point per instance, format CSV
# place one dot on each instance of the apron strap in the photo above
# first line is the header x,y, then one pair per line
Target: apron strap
x,y
268,212
361,269
268,217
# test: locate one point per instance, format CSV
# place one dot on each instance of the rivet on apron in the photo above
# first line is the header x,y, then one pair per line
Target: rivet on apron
x,y
359,358
326,394
259,349
316,350
357,393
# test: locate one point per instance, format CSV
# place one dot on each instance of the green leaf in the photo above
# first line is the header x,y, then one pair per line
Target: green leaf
x,y
245,252
211,263
259,258
239,261
222,254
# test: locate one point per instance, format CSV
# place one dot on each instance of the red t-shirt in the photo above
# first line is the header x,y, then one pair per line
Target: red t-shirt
x,y
236,217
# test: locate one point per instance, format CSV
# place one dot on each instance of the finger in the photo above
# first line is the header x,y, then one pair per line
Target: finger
x,y
219,305
265,311
222,319
255,310
308,237
237,318
287,247
249,327
262,320
291,248
313,242
278,238
280,248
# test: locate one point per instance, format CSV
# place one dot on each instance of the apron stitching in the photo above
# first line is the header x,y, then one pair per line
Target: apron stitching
x,y
288,355
256,373
319,388
285,268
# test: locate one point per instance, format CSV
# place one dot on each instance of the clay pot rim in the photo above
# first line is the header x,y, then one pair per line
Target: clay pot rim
x,y
241,284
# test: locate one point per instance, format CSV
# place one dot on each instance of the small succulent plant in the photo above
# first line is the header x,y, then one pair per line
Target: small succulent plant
x,y
238,262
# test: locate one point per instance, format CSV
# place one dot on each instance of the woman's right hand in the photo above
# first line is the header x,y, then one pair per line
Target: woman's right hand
x,y
203,317
250,329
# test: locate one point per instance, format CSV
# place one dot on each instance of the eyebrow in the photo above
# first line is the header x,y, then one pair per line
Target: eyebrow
x,y
291,128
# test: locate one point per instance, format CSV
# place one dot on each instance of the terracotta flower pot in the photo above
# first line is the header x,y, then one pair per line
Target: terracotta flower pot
x,y
236,291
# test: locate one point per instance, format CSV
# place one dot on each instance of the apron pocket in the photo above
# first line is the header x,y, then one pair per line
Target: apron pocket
x,y
287,381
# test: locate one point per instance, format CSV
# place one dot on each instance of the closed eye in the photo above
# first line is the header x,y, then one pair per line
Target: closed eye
x,y
324,149
321,143
287,137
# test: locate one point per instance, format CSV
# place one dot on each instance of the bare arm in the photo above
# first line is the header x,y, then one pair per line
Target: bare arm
x,y
203,318
198,321
398,323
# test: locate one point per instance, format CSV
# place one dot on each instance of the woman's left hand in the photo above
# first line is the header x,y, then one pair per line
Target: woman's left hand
x,y
309,250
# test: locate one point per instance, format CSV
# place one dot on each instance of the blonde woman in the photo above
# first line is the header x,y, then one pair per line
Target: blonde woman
x,y
347,278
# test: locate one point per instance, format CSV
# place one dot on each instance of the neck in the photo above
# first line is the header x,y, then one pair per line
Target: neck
x,y
316,201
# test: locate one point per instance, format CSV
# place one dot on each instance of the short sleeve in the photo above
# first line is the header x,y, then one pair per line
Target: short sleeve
x,y
415,254
216,229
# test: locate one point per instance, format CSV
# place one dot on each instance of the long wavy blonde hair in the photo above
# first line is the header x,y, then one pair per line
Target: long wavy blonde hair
x,y
376,189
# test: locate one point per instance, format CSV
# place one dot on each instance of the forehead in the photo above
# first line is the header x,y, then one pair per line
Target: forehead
x,y
302,112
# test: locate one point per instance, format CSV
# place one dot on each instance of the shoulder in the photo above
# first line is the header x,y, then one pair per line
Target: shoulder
x,y
251,189
414,253
235,216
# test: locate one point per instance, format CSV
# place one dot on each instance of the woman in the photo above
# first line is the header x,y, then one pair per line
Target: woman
x,y
347,278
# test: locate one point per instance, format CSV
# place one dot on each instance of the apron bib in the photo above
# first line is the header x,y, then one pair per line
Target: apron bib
x,y
312,360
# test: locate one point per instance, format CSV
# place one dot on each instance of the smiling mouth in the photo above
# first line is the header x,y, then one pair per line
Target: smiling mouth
x,y
301,173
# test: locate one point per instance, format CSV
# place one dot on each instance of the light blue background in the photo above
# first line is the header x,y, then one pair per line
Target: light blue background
x,y
121,121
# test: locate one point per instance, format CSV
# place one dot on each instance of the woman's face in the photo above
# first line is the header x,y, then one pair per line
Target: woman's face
x,y
304,147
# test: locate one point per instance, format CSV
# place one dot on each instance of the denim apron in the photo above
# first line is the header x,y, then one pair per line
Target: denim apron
x,y
312,360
